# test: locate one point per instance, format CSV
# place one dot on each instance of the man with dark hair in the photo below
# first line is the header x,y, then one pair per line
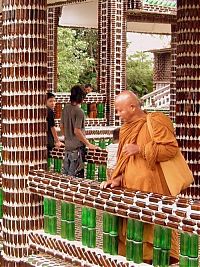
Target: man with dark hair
x,y
88,88
73,128
52,136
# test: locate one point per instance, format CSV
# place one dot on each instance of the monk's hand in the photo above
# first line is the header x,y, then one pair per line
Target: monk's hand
x,y
111,183
105,184
131,149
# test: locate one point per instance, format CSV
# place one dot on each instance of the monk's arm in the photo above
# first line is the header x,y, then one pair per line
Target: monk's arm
x,y
167,151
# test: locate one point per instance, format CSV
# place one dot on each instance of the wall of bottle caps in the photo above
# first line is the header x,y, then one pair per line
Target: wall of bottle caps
x,y
112,53
24,87
173,73
188,83
165,212
52,40
162,66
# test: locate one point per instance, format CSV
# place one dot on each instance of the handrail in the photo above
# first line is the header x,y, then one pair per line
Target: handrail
x,y
156,92
173,212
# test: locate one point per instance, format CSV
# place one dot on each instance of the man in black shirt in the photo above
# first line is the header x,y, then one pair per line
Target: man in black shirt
x,y
52,136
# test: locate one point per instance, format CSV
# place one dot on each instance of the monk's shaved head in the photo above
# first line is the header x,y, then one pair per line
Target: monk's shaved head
x,y
128,106
128,98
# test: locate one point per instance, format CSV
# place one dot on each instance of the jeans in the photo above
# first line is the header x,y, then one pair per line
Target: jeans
x,y
73,163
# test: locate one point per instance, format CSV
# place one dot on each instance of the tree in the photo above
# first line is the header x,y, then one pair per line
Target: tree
x,y
77,61
140,73
74,61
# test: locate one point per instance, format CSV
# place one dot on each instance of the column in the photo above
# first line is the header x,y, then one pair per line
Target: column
x,y
52,43
24,86
188,84
112,52
0,69
173,73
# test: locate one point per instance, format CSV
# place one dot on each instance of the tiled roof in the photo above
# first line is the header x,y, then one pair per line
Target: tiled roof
x,y
164,3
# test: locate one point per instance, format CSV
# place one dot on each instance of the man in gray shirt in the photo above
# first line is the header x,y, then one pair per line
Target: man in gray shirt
x,y
73,128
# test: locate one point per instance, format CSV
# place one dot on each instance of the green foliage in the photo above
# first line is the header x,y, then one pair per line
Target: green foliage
x,y
76,61
140,73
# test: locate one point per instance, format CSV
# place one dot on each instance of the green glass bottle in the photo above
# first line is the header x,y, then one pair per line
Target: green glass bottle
x,y
84,235
193,262
166,238
91,218
194,245
137,252
56,165
46,206
70,230
114,225
59,165
106,242
70,212
130,229
88,171
92,171
46,223
52,225
91,242
84,216
84,107
100,173
183,261
156,256
164,258
104,175
157,236
106,222
52,207
113,244
184,244
129,250
63,229
63,210
138,231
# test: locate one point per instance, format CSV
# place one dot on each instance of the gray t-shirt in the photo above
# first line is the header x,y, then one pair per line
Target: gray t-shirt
x,y
72,117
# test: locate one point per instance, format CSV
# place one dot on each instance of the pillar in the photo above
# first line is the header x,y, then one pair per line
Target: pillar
x,y
0,69
112,52
52,43
24,85
188,84
173,73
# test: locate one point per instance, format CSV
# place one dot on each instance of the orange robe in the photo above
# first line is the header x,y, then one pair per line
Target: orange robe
x,y
143,172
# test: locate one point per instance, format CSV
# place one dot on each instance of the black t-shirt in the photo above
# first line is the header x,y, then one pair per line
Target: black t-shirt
x,y
51,123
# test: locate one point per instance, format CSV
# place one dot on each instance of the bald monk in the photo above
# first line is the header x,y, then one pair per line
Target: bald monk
x,y
138,162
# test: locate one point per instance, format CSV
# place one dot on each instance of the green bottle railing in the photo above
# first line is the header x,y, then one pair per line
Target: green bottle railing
x,y
189,243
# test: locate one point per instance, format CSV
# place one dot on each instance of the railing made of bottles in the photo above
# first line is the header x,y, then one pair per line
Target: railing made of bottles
x,y
94,98
166,213
95,165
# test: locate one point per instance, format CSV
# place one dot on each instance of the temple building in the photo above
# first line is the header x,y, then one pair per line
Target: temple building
x,y
48,219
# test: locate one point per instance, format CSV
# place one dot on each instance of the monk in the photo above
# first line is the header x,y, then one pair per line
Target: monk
x,y
138,165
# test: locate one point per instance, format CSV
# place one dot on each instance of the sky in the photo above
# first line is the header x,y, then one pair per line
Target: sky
x,y
144,42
